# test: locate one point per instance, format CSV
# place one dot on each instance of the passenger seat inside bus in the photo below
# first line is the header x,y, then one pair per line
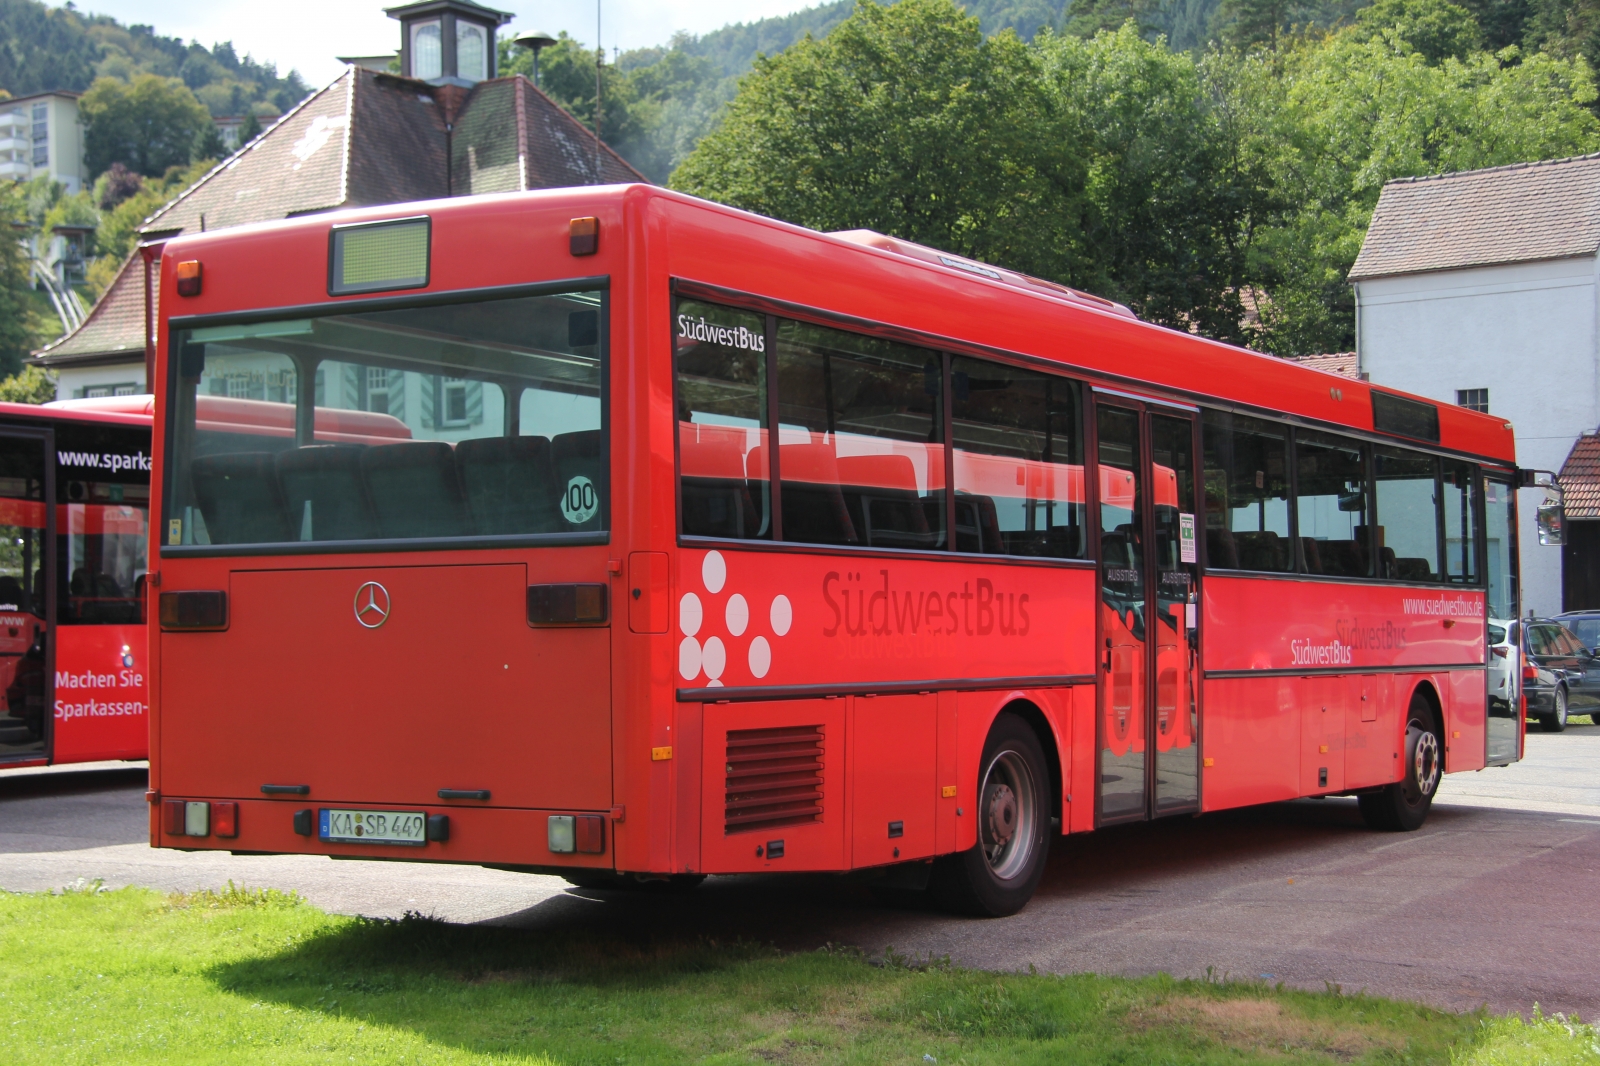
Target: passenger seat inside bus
x,y
509,484
717,501
1262,550
814,510
880,492
579,455
239,497
977,525
324,494
414,489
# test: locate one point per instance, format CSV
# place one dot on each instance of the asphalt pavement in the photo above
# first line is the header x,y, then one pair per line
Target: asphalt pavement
x,y
1493,901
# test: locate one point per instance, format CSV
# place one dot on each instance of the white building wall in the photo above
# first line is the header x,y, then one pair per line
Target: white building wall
x,y
73,383
1526,332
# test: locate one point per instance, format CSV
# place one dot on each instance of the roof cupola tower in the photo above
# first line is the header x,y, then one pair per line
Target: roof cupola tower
x,y
448,42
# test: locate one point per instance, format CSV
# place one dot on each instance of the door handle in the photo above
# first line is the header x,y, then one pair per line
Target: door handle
x,y
1108,655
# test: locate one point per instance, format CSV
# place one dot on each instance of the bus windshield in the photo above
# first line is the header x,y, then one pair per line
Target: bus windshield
x,y
458,421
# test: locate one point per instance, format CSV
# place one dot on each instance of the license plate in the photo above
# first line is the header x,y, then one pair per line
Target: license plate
x,y
373,827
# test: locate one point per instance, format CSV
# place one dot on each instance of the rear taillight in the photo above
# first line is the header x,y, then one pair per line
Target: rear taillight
x,y
225,819
186,818
1501,651
194,610
558,605
1530,672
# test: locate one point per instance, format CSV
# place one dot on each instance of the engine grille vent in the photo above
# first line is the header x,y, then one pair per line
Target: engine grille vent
x,y
774,777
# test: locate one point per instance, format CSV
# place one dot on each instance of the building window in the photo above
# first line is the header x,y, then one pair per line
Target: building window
x,y
471,53
378,390
41,135
1473,399
427,58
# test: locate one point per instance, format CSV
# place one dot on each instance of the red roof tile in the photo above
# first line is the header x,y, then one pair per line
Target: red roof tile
x,y
1580,478
1342,363
1514,214
366,138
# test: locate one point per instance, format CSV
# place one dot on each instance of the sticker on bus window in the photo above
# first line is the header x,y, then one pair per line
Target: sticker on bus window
x,y
175,531
1185,538
580,502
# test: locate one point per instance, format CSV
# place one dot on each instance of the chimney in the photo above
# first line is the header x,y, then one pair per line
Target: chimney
x,y
448,42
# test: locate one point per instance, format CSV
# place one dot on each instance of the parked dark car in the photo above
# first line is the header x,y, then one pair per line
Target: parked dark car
x,y
1561,675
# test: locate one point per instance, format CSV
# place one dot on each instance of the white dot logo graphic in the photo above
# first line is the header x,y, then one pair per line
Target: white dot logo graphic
x,y
782,615
760,657
715,658
714,572
738,615
690,614
689,659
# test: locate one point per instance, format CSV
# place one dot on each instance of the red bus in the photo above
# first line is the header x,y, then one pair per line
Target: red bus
x,y
708,544
75,518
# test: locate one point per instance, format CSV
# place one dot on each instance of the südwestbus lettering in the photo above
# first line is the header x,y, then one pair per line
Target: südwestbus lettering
x,y
1385,636
978,609
727,336
1310,653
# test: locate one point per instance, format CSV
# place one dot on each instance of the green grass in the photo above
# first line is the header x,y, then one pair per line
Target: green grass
x,y
259,977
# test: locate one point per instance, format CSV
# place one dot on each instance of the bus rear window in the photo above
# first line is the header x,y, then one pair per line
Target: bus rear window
x,y
460,421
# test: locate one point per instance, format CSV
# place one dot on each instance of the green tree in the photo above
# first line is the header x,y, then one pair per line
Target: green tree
x,y
1085,18
1336,119
1434,29
20,326
567,76
148,124
904,119
209,144
28,385
249,129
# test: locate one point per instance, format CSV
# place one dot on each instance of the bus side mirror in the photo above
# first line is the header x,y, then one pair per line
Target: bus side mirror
x,y
1552,521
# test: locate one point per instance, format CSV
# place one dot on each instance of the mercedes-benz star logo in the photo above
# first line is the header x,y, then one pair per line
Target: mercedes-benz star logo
x,y
372,605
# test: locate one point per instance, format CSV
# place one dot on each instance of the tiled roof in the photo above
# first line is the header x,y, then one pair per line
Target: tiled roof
x,y
1580,478
367,138
115,325
295,167
1514,214
1342,363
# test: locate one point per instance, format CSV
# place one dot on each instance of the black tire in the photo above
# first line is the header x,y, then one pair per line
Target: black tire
x,y
1556,720
1403,806
999,874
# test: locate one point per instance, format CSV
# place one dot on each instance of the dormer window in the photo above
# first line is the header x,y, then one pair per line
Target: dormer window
x,y
427,55
471,54
448,42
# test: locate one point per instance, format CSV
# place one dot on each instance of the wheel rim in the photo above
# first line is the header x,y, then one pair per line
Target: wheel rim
x,y
1561,706
1008,815
1422,747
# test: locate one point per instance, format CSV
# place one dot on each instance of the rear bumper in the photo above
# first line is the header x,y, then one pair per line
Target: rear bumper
x,y
477,835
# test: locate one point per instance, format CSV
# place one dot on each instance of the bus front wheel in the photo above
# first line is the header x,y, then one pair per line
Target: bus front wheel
x,y
1403,806
998,875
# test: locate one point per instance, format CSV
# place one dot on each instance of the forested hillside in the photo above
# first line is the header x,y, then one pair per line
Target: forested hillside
x,y
45,48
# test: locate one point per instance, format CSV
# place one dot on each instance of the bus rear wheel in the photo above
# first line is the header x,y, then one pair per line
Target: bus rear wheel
x,y
998,875
1403,806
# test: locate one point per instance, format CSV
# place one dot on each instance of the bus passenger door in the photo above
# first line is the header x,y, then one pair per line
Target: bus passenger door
x,y
26,580
1124,653
1177,614
1149,614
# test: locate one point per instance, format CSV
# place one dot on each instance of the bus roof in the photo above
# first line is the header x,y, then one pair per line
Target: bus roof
x,y
894,288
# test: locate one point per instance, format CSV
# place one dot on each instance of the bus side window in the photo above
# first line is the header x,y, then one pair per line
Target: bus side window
x,y
860,448
1458,483
1408,513
1018,440
1331,505
721,369
1247,493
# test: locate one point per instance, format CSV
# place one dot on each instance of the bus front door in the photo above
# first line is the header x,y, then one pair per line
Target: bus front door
x,y
25,575
1149,614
